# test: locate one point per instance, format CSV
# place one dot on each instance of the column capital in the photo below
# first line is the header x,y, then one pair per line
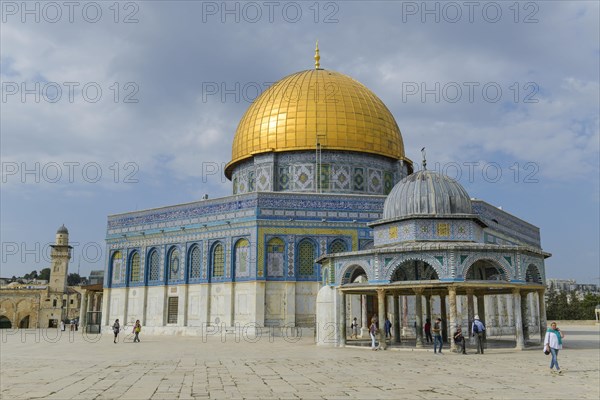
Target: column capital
x,y
452,290
516,291
418,290
380,291
470,291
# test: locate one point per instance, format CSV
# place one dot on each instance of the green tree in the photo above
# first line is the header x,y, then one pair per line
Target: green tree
x,y
73,279
588,305
44,274
574,309
551,304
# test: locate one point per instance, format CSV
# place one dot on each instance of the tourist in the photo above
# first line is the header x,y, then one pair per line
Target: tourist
x,y
354,327
478,330
62,325
372,332
437,336
427,329
553,343
137,328
459,339
388,328
116,328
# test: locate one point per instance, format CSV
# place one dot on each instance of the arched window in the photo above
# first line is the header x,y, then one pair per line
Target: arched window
x,y
306,258
117,265
135,267
532,274
337,246
154,266
218,261
242,250
173,264
194,262
275,257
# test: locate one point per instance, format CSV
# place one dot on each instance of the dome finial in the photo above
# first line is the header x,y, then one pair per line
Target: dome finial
x,y
424,160
317,57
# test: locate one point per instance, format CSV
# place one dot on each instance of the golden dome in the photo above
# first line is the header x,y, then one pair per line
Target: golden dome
x,y
316,105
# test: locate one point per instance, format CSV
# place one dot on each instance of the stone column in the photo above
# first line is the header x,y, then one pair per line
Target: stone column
x,y
543,322
405,312
470,311
364,329
381,316
83,309
428,307
481,308
419,316
525,316
396,319
453,313
444,317
518,320
342,331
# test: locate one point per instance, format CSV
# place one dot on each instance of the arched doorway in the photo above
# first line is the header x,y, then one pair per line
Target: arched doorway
x,y
5,322
414,270
360,306
485,270
24,324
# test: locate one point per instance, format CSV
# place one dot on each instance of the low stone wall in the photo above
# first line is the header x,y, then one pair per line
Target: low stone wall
x,y
574,322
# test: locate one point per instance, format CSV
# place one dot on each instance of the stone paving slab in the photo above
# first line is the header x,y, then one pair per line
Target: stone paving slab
x,y
177,367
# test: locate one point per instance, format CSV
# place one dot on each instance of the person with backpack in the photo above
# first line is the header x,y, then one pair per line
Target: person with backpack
x,y
116,328
437,336
137,328
478,329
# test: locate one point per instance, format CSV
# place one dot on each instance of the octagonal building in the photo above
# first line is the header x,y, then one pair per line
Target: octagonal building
x,y
313,159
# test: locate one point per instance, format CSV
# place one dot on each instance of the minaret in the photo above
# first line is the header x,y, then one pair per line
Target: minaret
x,y
60,255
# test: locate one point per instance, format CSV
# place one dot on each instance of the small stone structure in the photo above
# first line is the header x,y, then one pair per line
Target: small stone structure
x,y
434,242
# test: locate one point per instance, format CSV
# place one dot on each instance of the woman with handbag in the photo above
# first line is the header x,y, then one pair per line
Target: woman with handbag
x,y
552,344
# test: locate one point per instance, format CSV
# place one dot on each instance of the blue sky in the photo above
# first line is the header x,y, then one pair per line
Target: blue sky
x,y
110,109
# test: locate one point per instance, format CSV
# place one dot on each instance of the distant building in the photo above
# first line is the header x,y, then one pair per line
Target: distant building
x,y
35,303
96,277
570,285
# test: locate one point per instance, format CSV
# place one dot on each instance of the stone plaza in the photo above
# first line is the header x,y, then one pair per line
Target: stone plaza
x,y
38,364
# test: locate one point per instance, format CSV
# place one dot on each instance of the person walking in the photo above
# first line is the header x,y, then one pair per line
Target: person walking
x,y
437,336
478,329
116,328
459,339
388,328
372,332
553,343
354,327
427,328
137,328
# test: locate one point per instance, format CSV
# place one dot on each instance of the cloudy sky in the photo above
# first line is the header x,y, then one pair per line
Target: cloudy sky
x,y
113,107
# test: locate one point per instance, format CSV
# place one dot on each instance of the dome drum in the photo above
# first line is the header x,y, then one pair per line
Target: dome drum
x,y
337,172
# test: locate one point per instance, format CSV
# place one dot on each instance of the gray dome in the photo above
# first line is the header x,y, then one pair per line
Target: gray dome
x,y
426,193
63,229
